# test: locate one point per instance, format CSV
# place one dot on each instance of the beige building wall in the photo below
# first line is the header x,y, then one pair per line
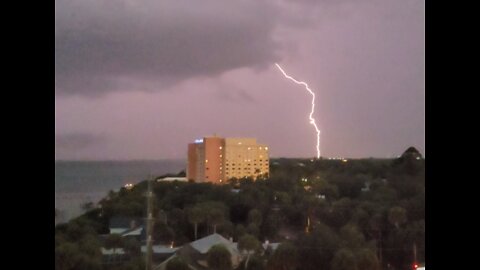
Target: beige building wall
x,y
245,158
216,159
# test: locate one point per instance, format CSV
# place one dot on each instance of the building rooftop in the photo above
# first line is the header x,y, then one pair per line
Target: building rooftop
x,y
204,244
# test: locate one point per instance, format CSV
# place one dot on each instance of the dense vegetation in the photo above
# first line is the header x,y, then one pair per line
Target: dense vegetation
x,y
329,214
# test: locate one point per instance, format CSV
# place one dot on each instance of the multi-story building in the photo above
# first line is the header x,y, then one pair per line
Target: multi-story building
x,y
215,159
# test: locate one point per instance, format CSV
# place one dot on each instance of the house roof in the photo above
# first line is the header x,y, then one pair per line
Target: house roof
x,y
163,265
133,232
204,244
160,249
171,179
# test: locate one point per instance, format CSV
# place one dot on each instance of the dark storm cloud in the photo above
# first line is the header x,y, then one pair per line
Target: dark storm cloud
x,y
77,141
233,93
111,45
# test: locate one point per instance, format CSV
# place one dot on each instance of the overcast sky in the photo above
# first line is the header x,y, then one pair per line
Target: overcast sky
x,y
139,79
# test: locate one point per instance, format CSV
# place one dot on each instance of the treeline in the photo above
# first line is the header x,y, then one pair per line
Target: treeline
x,y
330,214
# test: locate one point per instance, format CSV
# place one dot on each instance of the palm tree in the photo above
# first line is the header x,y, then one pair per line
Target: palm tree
x,y
216,217
397,215
195,216
284,258
249,244
219,258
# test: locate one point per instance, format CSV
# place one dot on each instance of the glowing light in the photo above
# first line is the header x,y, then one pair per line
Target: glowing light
x,y
312,120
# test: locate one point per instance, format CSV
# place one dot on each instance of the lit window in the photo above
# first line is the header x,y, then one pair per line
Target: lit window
x,y
220,148
206,160
266,148
220,155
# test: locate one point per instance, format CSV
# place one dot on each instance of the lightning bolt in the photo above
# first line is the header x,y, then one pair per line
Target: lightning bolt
x,y
312,120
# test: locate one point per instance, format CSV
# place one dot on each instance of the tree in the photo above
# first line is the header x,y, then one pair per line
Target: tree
x,y
367,260
177,263
137,263
344,260
317,248
253,229
256,263
249,244
215,212
239,231
195,216
66,256
88,206
397,215
351,236
321,186
163,233
219,258
132,246
284,258
255,217
216,217
84,254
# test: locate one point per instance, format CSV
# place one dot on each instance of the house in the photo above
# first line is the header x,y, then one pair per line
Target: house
x,y
160,252
122,224
195,253
113,256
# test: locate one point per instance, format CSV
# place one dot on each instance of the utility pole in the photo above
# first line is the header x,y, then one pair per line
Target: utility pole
x,y
415,253
148,258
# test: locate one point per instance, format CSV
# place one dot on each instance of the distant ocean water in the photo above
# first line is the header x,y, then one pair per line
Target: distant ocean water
x,y
78,182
